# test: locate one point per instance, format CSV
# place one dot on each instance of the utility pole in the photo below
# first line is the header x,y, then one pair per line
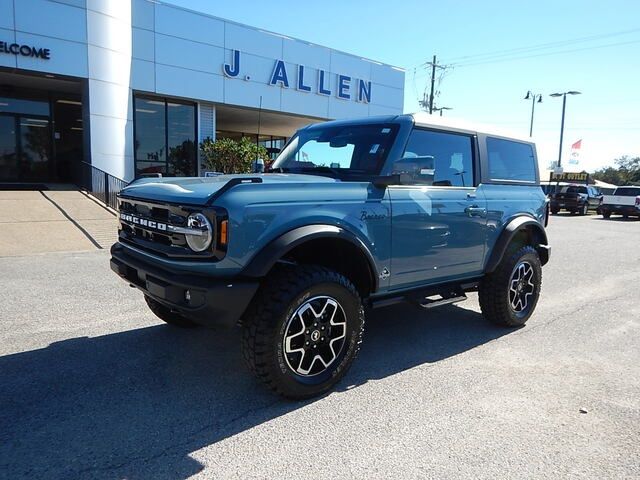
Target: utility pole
x,y
429,103
433,82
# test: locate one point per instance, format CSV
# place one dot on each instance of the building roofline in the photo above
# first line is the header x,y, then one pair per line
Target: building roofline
x,y
281,35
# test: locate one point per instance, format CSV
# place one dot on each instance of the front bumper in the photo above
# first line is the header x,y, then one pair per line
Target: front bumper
x,y
208,301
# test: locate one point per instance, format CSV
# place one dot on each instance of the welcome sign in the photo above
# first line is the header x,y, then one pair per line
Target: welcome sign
x,y
348,88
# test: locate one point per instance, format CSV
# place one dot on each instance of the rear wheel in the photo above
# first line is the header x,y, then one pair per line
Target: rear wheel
x,y
509,295
303,330
167,315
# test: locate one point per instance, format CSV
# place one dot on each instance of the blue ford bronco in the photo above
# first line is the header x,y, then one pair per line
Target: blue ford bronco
x,y
353,215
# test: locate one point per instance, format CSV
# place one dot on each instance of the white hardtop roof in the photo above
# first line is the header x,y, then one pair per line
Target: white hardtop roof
x,y
424,119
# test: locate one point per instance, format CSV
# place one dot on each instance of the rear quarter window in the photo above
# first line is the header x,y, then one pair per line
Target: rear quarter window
x,y
628,191
511,161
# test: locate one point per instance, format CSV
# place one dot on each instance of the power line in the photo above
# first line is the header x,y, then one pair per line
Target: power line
x,y
583,49
546,54
475,58
542,46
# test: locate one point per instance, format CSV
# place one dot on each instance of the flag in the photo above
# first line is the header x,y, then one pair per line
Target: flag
x,y
574,158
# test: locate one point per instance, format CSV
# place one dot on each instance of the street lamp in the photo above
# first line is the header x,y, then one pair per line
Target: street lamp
x,y
533,96
441,109
564,105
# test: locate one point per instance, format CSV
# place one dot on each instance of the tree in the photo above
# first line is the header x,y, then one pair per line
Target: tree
x,y
230,156
626,171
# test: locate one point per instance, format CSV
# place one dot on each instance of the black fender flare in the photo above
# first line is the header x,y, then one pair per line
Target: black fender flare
x,y
267,257
515,226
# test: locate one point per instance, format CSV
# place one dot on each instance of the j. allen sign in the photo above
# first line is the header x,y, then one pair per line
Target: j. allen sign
x,y
347,88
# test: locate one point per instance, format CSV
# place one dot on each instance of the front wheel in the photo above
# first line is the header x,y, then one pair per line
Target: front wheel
x,y
509,295
585,209
606,214
303,330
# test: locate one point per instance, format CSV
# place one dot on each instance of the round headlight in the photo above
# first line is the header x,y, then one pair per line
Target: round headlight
x,y
202,232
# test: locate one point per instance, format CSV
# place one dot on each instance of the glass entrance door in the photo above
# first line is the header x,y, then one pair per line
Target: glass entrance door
x,y
35,148
25,148
8,148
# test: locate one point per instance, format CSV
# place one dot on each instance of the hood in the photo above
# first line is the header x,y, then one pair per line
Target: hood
x,y
197,190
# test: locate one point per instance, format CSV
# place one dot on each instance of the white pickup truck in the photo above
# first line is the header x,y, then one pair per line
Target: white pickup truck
x,y
625,201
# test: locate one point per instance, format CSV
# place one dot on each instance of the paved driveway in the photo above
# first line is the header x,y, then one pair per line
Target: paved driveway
x,y
93,386
58,220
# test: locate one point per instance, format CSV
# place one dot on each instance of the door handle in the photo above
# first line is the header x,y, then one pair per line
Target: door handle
x,y
475,211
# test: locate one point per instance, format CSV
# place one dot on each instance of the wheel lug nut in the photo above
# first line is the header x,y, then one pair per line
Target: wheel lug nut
x,y
306,343
315,346
321,328
322,339
307,332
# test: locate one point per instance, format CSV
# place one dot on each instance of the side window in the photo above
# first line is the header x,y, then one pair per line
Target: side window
x,y
510,160
437,158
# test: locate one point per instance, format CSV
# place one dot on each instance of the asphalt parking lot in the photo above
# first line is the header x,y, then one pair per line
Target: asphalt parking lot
x,y
92,385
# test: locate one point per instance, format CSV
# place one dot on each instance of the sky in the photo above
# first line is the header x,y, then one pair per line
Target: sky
x,y
495,51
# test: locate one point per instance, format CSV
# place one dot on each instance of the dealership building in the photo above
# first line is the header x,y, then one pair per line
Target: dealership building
x,y
133,86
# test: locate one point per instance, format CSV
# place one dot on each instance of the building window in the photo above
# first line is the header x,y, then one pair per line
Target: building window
x,y
165,137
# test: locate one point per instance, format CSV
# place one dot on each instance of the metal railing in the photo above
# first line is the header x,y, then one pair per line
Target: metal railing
x,y
102,185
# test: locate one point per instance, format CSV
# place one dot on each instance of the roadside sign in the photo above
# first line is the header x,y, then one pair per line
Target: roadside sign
x,y
570,177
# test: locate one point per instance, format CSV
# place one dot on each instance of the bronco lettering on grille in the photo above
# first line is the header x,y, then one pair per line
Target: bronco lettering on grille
x,y
143,222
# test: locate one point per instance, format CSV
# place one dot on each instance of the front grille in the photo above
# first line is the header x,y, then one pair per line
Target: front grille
x,y
148,226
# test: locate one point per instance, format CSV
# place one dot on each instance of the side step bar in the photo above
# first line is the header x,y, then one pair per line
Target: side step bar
x,y
429,297
430,302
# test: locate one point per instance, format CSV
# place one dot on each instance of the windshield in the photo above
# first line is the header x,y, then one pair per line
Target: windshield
x,y
338,150
574,189
628,191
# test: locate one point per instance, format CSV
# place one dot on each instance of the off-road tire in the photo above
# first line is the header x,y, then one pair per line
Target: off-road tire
x,y
494,288
165,314
267,320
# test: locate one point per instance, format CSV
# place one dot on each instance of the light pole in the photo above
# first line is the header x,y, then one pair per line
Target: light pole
x,y
533,96
564,106
440,109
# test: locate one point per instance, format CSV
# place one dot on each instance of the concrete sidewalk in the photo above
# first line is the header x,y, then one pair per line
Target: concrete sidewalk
x,y
58,220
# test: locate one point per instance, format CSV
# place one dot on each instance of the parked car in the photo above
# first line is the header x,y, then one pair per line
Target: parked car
x,y
625,201
359,213
575,199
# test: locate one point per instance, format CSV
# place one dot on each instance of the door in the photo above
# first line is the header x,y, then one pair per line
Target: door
x,y
439,224
25,148
8,149
35,148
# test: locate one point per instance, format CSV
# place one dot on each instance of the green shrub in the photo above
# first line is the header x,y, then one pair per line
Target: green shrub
x,y
230,156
